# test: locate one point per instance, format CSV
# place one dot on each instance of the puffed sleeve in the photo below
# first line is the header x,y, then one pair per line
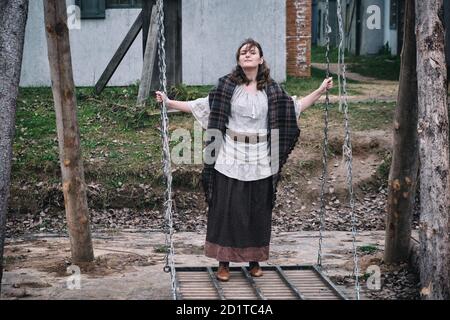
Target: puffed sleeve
x,y
298,106
200,109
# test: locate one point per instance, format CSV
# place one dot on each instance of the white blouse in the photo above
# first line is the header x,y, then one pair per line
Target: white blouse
x,y
238,159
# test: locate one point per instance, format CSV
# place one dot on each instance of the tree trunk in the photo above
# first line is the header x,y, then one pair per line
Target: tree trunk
x,y
433,150
13,18
74,186
405,157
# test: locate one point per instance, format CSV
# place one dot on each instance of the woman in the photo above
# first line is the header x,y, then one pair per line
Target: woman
x,y
252,123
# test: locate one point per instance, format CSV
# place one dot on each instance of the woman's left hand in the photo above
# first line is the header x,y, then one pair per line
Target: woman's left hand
x,y
326,84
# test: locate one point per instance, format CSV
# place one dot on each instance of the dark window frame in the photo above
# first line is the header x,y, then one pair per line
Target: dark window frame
x,y
132,4
99,14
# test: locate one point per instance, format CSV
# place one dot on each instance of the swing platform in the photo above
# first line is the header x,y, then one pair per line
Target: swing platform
x,y
298,282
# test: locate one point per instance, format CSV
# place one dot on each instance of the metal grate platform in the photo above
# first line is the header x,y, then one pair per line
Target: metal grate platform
x,y
301,282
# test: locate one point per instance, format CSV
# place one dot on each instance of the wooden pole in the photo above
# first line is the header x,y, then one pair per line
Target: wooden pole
x,y
146,14
13,18
119,54
74,186
149,59
433,150
172,26
405,158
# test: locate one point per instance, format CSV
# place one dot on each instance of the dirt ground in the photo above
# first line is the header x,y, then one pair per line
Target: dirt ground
x,y
129,264
371,89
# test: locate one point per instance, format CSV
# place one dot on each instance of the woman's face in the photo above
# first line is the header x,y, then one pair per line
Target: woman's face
x,y
249,57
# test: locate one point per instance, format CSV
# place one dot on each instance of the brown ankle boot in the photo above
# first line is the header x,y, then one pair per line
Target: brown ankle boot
x,y
223,273
255,270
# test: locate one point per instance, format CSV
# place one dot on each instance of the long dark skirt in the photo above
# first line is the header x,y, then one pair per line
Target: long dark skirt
x,y
239,220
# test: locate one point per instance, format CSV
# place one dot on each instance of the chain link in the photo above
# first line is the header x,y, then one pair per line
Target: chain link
x,y
347,150
168,203
325,141
347,147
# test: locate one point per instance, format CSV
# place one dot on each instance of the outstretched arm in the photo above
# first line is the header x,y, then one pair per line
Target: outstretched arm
x,y
173,104
310,99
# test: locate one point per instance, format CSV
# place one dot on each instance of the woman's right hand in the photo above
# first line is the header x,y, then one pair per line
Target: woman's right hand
x,y
161,96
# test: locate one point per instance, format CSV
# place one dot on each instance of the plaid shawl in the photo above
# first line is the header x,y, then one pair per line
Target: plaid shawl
x,y
281,116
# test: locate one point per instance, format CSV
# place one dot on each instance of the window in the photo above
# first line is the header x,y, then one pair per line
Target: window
x,y
319,25
95,9
120,4
91,9
393,19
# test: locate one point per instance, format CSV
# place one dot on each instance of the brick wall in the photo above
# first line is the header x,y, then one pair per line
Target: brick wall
x,y
298,37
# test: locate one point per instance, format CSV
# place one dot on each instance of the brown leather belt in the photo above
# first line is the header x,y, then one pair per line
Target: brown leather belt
x,y
251,138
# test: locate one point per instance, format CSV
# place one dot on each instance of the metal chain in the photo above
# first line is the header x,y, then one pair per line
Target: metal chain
x,y
347,151
339,73
168,227
325,141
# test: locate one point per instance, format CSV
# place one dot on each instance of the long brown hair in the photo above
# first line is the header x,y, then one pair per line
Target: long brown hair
x,y
263,76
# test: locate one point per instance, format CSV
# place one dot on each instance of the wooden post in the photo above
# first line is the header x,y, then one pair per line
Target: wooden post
x,y
120,53
74,186
433,150
405,158
149,59
172,26
147,6
13,18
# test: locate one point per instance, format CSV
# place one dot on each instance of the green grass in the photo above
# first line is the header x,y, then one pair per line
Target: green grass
x,y
369,249
120,142
304,86
362,116
318,54
109,133
383,66
160,248
384,168
369,116
307,164
185,93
